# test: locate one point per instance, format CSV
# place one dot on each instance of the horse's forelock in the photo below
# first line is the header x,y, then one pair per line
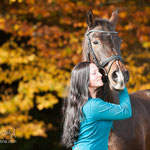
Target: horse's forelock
x,y
104,24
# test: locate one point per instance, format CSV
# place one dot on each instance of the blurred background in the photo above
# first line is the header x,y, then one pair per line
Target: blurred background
x,y
40,42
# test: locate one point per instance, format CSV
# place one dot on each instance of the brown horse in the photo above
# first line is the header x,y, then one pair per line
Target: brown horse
x,y
103,40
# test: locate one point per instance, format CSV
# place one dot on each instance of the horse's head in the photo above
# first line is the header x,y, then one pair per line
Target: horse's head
x,y
105,45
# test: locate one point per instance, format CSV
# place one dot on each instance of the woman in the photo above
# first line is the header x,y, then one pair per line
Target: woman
x,y
87,119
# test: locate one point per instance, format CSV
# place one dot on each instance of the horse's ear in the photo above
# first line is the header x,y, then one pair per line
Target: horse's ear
x,y
90,19
114,18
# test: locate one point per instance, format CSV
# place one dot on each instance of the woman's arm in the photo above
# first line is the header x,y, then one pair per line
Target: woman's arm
x,y
102,110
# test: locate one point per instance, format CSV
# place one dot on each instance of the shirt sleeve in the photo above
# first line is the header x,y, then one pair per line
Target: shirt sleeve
x,y
102,110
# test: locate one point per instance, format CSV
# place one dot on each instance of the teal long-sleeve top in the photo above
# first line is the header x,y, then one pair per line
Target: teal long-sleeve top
x,y
99,115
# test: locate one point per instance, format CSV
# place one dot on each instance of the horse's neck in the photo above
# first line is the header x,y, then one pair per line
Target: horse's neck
x,y
107,95
110,96
113,97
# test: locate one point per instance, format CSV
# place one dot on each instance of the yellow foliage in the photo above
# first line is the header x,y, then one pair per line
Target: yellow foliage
x,y
12,1
34,128
7,132
15,119
38,76
35,74
123,14
26,130
7,107
138,69
21,127
2,20
46,101
16,27
146,44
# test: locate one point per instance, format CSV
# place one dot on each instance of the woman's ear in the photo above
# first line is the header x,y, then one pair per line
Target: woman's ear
x,y
90,19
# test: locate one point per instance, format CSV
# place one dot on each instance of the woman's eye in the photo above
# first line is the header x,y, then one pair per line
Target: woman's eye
x,y
95,42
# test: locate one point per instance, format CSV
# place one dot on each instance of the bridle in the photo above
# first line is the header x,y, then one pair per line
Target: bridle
x,y
106,62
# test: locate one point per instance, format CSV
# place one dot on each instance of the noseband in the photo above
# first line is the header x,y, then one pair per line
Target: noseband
x,y
104,63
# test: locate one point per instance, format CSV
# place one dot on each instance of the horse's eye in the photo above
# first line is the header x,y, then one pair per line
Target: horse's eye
x,y
95,42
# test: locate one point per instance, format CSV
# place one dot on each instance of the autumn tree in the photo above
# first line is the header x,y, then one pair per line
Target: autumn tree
x,y
41,40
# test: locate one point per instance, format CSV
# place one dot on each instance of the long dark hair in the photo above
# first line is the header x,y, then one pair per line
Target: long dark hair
x,y
72,106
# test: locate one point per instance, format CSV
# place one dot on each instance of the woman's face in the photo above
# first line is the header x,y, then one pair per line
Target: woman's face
x,y
95,77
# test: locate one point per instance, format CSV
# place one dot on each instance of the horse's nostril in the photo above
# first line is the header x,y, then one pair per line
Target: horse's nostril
x,y
114,76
